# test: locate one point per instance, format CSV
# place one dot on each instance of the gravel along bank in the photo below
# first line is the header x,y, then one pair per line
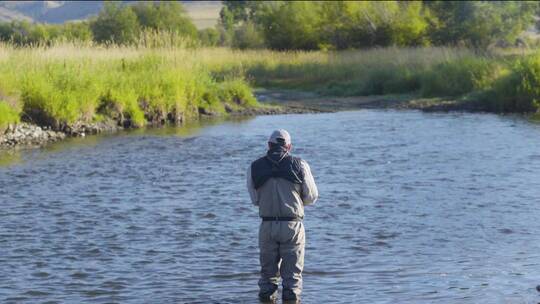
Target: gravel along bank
x,y
26,134
31,135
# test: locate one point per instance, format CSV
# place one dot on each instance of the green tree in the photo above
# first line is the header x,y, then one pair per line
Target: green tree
x,y
165,16
479,23
6,31
209,37
341,24
290,25
246,36
239,11
226,18
76,31
115,24
410,26
232,22
24,33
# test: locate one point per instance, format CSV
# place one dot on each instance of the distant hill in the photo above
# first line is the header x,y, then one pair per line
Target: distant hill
x,y
203,13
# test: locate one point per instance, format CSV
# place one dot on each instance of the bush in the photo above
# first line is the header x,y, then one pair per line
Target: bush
x,y
75,31
247,37
519,90
460,77
342,25
237,93
209,37
115,24
165,16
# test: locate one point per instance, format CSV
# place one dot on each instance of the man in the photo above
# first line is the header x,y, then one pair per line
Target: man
x,y
281,185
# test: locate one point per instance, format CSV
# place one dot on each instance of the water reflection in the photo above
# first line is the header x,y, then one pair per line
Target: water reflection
x,y
8,158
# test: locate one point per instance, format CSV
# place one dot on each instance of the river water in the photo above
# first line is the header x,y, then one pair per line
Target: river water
x,y
414,208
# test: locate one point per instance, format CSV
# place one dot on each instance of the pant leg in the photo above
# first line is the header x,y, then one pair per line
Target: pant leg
x,y
269,258
291,250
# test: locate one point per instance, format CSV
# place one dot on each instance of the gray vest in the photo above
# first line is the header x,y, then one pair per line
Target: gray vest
x,y
276,164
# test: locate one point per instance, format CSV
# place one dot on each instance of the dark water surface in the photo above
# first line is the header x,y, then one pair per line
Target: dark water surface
x,y
414,208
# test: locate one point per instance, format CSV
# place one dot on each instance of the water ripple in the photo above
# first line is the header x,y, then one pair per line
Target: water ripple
x,y
414,207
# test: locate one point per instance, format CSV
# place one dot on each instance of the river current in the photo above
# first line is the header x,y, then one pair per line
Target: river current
x,y
413,208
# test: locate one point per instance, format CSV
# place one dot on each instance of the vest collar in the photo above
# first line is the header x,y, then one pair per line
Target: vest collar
x,y
276,154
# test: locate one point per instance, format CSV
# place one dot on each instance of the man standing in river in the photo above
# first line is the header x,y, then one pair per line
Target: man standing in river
x,y
281,185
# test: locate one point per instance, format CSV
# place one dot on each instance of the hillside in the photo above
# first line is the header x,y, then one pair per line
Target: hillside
x,y
203,13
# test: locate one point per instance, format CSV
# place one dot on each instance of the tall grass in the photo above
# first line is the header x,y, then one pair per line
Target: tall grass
x,y
8,115
496,81
65,84
158,80
365,72
519,89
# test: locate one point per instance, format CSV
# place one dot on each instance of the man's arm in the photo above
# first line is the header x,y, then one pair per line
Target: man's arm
x,y
310,193
251,189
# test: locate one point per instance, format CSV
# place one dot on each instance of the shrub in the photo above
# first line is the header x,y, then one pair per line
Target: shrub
x,y
460,77
115,24
519,90
246,36
209,37
237,92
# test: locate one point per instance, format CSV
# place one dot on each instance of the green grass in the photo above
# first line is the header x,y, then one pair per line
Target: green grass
x,y
347,73
519,89
8,115
462,76
137,85
497,81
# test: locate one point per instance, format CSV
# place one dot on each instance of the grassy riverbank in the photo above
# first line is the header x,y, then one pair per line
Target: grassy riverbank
x,y
66,84
490,81
134,86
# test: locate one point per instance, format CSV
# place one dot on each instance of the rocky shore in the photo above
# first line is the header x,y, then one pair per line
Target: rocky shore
x,y
31,135
26,134
80,129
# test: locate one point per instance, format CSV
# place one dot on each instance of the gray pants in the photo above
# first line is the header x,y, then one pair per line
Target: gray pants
x,y
281,242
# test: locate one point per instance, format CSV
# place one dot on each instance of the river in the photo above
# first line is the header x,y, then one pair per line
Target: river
x,y
414,208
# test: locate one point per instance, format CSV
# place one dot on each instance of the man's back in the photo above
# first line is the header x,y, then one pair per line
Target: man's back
x,y
281,185
282,195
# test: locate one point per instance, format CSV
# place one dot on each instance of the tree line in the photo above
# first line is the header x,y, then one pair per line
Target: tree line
x,y
300,25
115,24
364,24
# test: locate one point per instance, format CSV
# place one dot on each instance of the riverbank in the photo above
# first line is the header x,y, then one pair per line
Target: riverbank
x,y
29,135
271,102
81,90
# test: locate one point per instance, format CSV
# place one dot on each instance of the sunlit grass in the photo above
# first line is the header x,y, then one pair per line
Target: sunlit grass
x,y
70,82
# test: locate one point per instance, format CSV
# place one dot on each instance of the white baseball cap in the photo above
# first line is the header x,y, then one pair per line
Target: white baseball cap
x,y
280,134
